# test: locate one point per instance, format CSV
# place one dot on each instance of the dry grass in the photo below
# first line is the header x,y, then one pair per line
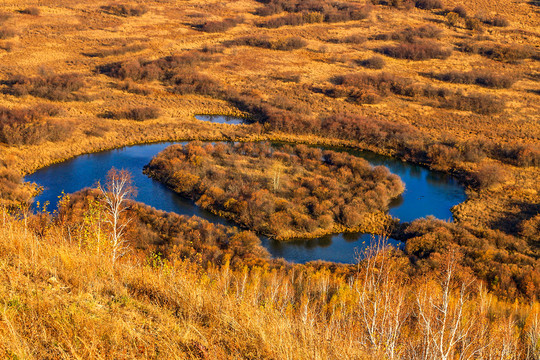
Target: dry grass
x,y
63,301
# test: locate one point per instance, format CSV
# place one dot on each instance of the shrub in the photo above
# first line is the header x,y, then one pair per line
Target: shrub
x,y
4,16
34,11
483,78
474,24
500,52
498,21
137,113
27,125
308,12
131,87
188,82
353,39
416,51
53,87
453,19
7,46
220,26
291,43
478,103
429,4
461,11
375,62
124,10
6,33
490,175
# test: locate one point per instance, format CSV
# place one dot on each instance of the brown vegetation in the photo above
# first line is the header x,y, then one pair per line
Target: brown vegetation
x,y
418,50
125,10
137,113
478,77
287,192
59,87
291,43
24,126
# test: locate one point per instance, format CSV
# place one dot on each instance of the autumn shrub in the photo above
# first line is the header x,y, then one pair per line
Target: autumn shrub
x,y
7,46
490,175
429,4
137,113
189,82
175,237
216,26
479,103
125,10
375,62
175,71
479,77
500,52
461,11
497,21
352,39
410,34
28,126
34,11
290,43
132,87
4,16
421,50
59,87
6,33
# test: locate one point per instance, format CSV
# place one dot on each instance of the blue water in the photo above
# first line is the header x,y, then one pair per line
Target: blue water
x,y
427,193
220,119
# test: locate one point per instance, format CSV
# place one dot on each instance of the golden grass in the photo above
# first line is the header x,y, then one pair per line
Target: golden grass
x,y
60,301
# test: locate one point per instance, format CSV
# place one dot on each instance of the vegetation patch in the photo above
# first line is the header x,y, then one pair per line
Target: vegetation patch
x,y
124,10
290,43
483,78
30,126
281,192
59,87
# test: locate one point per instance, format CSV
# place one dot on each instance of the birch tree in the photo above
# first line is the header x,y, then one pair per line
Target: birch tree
x,y
116,192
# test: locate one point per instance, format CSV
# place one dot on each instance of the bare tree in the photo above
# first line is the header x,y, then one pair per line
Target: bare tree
x,y
443,322
116,191
381,299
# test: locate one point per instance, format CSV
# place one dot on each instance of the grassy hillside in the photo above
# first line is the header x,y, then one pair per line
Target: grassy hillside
x,y
61,300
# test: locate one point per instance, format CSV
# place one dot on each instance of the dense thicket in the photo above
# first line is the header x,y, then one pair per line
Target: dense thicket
x,y
506,263
175,237
308,12
58,87
28,126
483,78
286,192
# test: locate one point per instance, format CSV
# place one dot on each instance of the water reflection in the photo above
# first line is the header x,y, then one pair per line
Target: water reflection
x,y
220,119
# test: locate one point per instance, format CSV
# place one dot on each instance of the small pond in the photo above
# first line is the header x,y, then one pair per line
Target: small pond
x,y
220,119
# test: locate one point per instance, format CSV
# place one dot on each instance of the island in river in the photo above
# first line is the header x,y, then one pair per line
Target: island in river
x,y
285,192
